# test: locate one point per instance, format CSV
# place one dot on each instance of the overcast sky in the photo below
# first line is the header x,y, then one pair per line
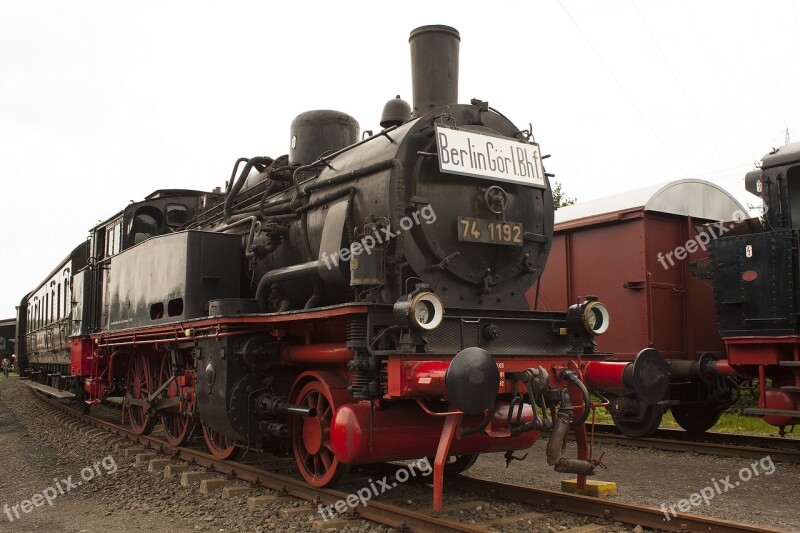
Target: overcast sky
x,y
104,102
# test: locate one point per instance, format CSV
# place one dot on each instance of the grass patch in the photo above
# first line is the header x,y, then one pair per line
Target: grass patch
x,y
749,425
728,423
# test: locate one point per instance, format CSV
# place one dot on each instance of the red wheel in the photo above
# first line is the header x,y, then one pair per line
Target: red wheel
x,y
178,426
140,385
219,445
311,436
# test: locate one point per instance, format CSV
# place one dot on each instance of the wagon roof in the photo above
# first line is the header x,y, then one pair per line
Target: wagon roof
x,y
687,197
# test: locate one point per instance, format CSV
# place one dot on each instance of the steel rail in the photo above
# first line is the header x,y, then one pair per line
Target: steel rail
x,y
767,441
723,444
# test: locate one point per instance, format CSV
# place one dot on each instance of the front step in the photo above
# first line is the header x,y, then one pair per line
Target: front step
x,y
50,391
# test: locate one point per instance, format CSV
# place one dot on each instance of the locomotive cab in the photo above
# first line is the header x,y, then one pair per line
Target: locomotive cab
x,y
777,183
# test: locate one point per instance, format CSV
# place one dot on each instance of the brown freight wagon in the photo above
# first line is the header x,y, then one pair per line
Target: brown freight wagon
x,y
642,253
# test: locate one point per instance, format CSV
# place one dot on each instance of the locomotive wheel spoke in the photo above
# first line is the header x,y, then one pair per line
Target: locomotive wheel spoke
x,y
140,382
326,459
311,438
219,445
179,428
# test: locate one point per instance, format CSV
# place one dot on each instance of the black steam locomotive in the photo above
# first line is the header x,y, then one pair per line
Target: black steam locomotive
x,y
755,269
358,300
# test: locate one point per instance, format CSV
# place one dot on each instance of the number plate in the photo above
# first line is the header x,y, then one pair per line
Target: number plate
x,y
489,231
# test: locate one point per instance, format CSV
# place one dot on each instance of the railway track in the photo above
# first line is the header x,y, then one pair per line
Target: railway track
x,y
409,513
722,444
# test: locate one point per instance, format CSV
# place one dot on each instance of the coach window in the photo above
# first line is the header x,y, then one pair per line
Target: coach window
x,y
793,180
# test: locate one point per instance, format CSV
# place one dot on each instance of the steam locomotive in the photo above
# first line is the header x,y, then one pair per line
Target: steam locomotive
x,y
755,269
358,300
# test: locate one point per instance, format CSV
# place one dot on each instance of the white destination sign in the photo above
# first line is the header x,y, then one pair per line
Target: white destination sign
x,y
482,156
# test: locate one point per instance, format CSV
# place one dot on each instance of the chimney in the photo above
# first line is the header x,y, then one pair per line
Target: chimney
x,y
434,67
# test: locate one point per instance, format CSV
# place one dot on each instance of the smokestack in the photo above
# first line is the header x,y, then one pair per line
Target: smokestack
x,y
434,67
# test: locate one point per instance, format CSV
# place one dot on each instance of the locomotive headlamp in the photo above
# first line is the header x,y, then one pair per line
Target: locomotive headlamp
x,y
596,318
590,317
421,309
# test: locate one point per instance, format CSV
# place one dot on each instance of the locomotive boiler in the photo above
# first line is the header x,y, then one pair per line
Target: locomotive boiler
x,y
361,299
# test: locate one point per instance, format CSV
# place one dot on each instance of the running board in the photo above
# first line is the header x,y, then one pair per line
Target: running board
x,y
51,391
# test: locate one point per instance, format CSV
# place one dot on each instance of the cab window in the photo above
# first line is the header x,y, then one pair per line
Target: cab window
x,y
177,214
113,238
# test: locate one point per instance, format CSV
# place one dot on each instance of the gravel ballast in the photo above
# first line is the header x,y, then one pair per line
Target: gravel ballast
x,y
653,477
35,448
